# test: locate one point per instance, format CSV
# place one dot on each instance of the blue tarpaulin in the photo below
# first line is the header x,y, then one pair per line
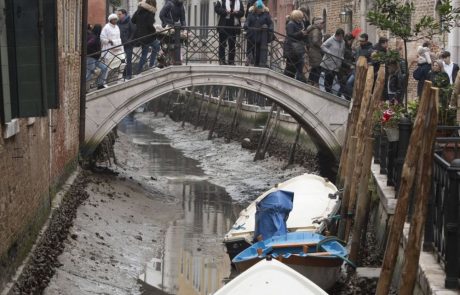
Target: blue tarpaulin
x,y
272,213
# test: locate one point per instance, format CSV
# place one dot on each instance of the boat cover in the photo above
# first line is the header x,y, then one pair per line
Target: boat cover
x,y
272,213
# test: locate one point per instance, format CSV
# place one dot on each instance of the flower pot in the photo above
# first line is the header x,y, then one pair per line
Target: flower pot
x,y
392,134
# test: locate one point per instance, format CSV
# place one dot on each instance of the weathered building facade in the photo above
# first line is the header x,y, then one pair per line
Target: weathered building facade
x,y
40,44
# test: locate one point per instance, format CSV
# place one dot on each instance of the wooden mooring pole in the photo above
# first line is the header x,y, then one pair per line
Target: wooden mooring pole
x,y
360,82
294,145
422,193
264,132
270,133
208,105
186,111
219,103
407,179
197,120
239,105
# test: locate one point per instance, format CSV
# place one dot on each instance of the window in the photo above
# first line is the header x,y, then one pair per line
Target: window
x,y
29,71
194,15
204,19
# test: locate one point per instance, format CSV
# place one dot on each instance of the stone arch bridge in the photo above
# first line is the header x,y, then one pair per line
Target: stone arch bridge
x,y
322,115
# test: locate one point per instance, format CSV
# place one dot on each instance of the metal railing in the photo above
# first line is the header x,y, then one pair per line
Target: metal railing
x,y
190,45
442,232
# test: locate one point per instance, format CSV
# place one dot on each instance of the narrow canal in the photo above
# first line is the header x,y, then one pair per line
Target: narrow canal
x,y
157,227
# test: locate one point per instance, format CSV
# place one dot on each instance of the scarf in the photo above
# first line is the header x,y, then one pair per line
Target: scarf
x,y
235,8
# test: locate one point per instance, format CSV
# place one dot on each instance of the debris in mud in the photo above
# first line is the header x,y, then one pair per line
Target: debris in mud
x,y
41,266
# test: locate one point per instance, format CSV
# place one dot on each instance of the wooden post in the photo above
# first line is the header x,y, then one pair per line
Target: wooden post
x,y
197,120
363,201
187,106
270,133
221,95
353,156
168,105
414,242
407,180
239,104
360,80
363,130
346,195
294,145
208,105
264,132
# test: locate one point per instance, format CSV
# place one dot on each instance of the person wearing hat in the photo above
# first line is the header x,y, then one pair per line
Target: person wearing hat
x,y
113,52
315,40
258,18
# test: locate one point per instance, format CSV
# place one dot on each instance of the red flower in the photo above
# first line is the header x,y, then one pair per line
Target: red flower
x,y
387,115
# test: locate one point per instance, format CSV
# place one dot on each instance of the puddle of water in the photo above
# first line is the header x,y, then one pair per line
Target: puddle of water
x,y
193,260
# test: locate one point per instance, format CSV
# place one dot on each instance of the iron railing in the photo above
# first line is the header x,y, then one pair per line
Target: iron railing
x,y
190,45
442,233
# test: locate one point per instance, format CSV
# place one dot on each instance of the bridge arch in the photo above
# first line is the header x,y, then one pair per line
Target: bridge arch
x,y
322,115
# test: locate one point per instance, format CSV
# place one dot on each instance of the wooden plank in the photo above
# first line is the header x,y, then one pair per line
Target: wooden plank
x,y
414,242
293,245
407,180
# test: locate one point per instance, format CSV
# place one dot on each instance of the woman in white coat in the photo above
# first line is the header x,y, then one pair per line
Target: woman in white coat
x,y
113,53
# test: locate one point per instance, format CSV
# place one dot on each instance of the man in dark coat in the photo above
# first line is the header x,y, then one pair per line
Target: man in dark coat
x,y
127,29
173,12
230,13
144,18
258,18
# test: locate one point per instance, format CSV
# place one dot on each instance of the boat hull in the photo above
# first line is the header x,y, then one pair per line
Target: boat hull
x,y
234,247
323,271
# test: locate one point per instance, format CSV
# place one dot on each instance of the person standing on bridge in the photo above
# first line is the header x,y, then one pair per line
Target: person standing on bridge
x,y
127,29
144,18
173,14
295,46
315,40
259,27
332,60
229,26
93,48
113,52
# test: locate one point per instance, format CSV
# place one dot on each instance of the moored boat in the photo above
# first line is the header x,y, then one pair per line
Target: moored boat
x,y
312,206
270,277
315,256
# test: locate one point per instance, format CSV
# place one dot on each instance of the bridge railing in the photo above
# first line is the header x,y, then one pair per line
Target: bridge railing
x,y
189,45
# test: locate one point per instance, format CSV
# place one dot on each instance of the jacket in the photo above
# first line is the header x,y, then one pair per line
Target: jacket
x,y
173,11
144,18
421,74
93,45
257,18
127,30
226,20
294,35
315,37
333,49
114,51
365,50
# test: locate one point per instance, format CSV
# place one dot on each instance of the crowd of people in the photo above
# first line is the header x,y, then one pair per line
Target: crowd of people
x,y
328,61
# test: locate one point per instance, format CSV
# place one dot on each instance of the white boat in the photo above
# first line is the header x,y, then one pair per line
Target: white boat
x,y
270,277
315,200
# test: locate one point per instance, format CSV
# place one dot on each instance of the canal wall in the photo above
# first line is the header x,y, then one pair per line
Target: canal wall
x,y
201,110
37,154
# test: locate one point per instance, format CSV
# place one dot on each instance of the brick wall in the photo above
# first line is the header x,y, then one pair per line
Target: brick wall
x,y
97,10
40,155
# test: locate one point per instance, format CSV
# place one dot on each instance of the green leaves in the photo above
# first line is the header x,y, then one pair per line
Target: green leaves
x,y
396,17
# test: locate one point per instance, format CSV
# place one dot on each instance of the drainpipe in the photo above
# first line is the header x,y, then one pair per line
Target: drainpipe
x,y
84,25
452,41
362,12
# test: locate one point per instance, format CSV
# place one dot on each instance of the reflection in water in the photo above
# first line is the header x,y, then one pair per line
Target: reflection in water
x,y
193,260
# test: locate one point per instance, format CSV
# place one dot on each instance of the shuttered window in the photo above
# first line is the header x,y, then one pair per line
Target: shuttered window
x,y
31,39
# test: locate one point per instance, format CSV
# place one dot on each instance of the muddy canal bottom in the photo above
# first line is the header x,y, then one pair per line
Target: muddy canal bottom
x,y
156,228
